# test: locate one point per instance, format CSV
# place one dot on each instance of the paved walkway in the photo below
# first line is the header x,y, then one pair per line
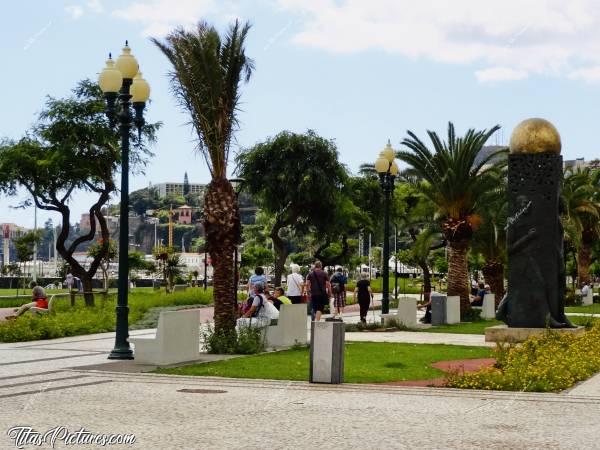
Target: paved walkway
x,y
69,382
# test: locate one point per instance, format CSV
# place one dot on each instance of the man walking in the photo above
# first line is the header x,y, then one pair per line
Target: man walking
x,y
317,283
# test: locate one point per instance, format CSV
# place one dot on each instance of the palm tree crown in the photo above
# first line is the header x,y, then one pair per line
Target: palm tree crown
x,y
207,72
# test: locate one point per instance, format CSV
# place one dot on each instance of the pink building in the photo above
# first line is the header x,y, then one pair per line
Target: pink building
x,y
184,214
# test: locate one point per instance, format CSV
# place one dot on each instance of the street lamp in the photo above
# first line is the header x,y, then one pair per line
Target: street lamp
x,y
121,81
387,170
237,184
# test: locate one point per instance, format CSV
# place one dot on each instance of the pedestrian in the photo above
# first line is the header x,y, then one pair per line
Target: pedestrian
x,y
295,285
338,287
258,277
69,280
317,283
278,298
364,294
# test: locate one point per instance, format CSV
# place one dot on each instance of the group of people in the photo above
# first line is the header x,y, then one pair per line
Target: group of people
x,y
317,289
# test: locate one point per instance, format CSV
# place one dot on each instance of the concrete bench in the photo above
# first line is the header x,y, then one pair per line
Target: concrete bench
x,y
488,310
406,313
588,299
177,339
290,329
445,310
180,287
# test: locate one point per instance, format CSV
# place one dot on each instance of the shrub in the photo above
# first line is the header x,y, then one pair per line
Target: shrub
x,y
246,341
551,362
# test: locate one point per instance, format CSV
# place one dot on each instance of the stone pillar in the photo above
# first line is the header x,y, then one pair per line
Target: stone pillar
x,y
327,352
488,310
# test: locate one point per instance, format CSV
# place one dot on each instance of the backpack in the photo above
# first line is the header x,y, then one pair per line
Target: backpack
x,y
336,284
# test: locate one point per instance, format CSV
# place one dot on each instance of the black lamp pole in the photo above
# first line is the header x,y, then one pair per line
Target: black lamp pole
x,y
124,118
386,180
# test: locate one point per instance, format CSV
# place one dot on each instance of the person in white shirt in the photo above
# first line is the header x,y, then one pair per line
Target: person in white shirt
x,y
585,289
261,312
295,285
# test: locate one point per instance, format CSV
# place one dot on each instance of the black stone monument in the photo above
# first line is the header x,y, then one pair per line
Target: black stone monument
x,y
536,271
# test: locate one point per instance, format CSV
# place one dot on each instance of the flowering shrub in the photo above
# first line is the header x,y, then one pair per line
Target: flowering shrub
x,y
550,362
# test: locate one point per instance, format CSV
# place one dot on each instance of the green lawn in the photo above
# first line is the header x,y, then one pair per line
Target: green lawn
x,y
365,362
590,309
480,326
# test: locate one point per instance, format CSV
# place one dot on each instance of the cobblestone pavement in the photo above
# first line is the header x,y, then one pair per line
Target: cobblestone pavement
x,y
69,382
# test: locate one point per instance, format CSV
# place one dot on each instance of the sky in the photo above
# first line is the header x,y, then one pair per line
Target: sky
x,y
358,72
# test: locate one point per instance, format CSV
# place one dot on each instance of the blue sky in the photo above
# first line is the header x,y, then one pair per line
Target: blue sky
x,y
358,71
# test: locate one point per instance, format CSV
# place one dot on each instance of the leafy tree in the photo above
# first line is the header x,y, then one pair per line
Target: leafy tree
x,y
71,148
490,238
24,247
455,180
109,251
11,270
581,201
296,178
207,73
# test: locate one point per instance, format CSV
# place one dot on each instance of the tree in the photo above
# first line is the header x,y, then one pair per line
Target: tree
x,y
581,201
455,180
71,148
490,238
207,73
109,251
186,184
297,178
24,246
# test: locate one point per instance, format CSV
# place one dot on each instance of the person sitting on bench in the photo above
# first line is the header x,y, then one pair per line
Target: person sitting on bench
x,y
39,301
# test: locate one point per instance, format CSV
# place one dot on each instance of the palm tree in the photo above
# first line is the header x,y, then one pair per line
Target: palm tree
x,y
455,178
581,200
490,239
207,73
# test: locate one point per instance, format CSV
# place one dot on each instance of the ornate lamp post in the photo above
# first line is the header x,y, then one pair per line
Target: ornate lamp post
x,y
122,83
387,170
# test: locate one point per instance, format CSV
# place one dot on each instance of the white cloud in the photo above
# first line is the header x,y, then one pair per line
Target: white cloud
x,y
75,11
499,74
508,39
95,6
161,16
591,74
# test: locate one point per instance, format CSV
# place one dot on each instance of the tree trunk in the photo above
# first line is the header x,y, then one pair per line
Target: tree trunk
x,y
584,260
281,252
88,294
458,273
426,279
493,272
222,227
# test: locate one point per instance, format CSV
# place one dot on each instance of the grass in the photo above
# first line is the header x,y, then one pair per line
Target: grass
x,y
365,362
405,285
590,309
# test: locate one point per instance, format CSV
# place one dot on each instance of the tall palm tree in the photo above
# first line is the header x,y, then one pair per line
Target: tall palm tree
x,y
455,177
581,200
206,76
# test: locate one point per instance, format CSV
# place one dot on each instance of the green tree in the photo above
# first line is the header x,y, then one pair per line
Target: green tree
x,y
207,73
24,246
186,184
581,216
109,251
455,180
71,148
489,239
303,189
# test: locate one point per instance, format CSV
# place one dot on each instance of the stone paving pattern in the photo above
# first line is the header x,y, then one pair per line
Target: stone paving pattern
x,y
69,382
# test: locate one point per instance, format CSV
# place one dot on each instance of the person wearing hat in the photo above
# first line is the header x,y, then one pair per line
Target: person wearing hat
x,y
39,301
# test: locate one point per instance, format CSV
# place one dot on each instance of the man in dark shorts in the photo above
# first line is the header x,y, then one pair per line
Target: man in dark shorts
x,y
317,283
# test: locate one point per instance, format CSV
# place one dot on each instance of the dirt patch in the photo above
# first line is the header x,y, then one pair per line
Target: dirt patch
x,y
460,365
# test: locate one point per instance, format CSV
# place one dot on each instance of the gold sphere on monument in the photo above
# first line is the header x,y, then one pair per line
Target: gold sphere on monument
x,y
535,136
